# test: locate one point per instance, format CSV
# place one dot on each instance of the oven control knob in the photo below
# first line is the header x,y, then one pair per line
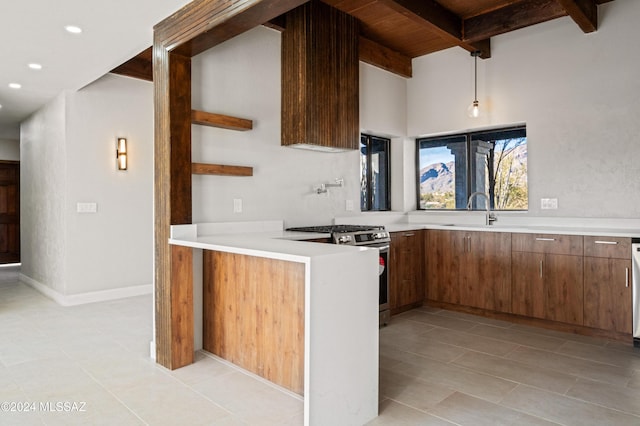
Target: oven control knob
x,y
378,235
344,239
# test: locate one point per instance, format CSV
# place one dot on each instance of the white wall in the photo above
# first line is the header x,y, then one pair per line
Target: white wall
x,y
241,77
113,247
68,156
383,112
9,150
577,94
43,195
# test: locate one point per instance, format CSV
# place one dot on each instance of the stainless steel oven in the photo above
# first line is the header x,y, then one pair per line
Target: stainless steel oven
x,y
368,236
375,237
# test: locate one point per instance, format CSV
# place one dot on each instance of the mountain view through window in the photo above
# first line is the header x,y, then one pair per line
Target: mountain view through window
x,y
453,167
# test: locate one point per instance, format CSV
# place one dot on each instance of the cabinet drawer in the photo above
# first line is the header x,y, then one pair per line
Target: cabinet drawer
x,y
609,247
548,243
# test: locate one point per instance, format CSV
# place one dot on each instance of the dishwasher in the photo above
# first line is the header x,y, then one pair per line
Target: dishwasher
x,y
635,290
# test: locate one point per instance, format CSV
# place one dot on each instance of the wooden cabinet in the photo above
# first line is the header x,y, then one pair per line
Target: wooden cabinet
x,y
527,292
470,269
547,271
406,266
443,253
607,284
577,280
485,273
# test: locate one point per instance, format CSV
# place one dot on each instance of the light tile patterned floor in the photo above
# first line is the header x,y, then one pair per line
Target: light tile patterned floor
x,y
437,368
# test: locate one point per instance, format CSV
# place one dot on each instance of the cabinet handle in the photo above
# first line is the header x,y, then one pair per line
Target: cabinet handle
x,y
626,277
613,243
541,268
545,239
409,234
469,243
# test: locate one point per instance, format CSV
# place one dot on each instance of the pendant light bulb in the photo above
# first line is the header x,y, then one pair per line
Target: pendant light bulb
x,y
474,109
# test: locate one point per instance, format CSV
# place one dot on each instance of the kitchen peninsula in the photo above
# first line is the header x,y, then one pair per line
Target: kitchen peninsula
x,y
302,315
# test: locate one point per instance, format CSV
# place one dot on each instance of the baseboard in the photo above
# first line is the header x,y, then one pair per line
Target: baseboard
x,y
89,297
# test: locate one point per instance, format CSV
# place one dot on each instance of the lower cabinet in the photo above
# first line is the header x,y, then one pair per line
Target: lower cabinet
x,y
442,252
469,268
527,291
572,279
547,273
406,277
607,284
485,273
547,286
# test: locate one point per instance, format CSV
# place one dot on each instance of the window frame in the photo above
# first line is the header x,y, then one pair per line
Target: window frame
x,y
369,177
468,137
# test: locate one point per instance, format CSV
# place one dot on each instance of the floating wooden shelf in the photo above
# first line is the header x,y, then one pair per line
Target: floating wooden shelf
x,y
221,121
220,170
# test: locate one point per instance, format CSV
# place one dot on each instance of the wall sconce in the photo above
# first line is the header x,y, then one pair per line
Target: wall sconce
x,y
121,153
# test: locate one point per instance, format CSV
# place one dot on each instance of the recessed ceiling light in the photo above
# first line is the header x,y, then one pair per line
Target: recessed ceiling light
x,y
15,85
73,29
35,66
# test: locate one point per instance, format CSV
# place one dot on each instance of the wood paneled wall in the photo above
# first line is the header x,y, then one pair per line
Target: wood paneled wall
x,y
254,315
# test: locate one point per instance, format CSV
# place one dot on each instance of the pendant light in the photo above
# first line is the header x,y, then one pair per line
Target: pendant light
x,y
474,109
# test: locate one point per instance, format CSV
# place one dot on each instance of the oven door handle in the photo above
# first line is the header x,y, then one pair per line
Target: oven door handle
x,y
382,248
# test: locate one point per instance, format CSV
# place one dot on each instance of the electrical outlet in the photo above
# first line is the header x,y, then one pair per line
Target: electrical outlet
x,y
549,203
87,207
237,205
348,205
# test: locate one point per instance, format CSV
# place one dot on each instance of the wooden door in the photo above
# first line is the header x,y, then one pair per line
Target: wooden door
x,y
9,212
485,275
443,252
564,288
607,294
527,292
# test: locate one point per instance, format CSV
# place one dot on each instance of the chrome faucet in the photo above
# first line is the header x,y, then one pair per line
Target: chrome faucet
x,y
491,217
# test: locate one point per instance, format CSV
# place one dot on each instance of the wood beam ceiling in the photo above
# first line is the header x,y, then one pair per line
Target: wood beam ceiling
x,y
439,20
140,66
470,32
531,12
512,17
583,12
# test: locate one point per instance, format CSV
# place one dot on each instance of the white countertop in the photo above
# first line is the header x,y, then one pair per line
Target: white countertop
x,y
283,245
286,245
537,229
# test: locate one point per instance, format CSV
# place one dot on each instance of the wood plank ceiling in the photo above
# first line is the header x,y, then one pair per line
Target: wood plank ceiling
x,y
395,31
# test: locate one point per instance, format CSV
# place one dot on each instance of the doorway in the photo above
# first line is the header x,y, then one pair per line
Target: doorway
x,y
9,212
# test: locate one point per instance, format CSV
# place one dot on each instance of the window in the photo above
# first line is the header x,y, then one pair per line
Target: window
x,y
374,173
451,168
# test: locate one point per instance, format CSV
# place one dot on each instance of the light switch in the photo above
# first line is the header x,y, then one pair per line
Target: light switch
x,y
237,205
549,203
87,207
348,205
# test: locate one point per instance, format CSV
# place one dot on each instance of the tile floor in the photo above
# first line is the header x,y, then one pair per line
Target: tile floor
x,y
437,368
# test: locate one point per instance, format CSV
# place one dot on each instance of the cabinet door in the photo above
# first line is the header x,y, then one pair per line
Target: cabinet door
x,y
406,284
527,292
564,288
443,251
485,275
607,294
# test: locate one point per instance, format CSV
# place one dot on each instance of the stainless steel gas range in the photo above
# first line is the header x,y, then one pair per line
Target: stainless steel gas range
x,y
365,236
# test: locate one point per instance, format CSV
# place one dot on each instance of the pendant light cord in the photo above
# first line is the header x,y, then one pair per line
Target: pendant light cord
x,y
475,73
